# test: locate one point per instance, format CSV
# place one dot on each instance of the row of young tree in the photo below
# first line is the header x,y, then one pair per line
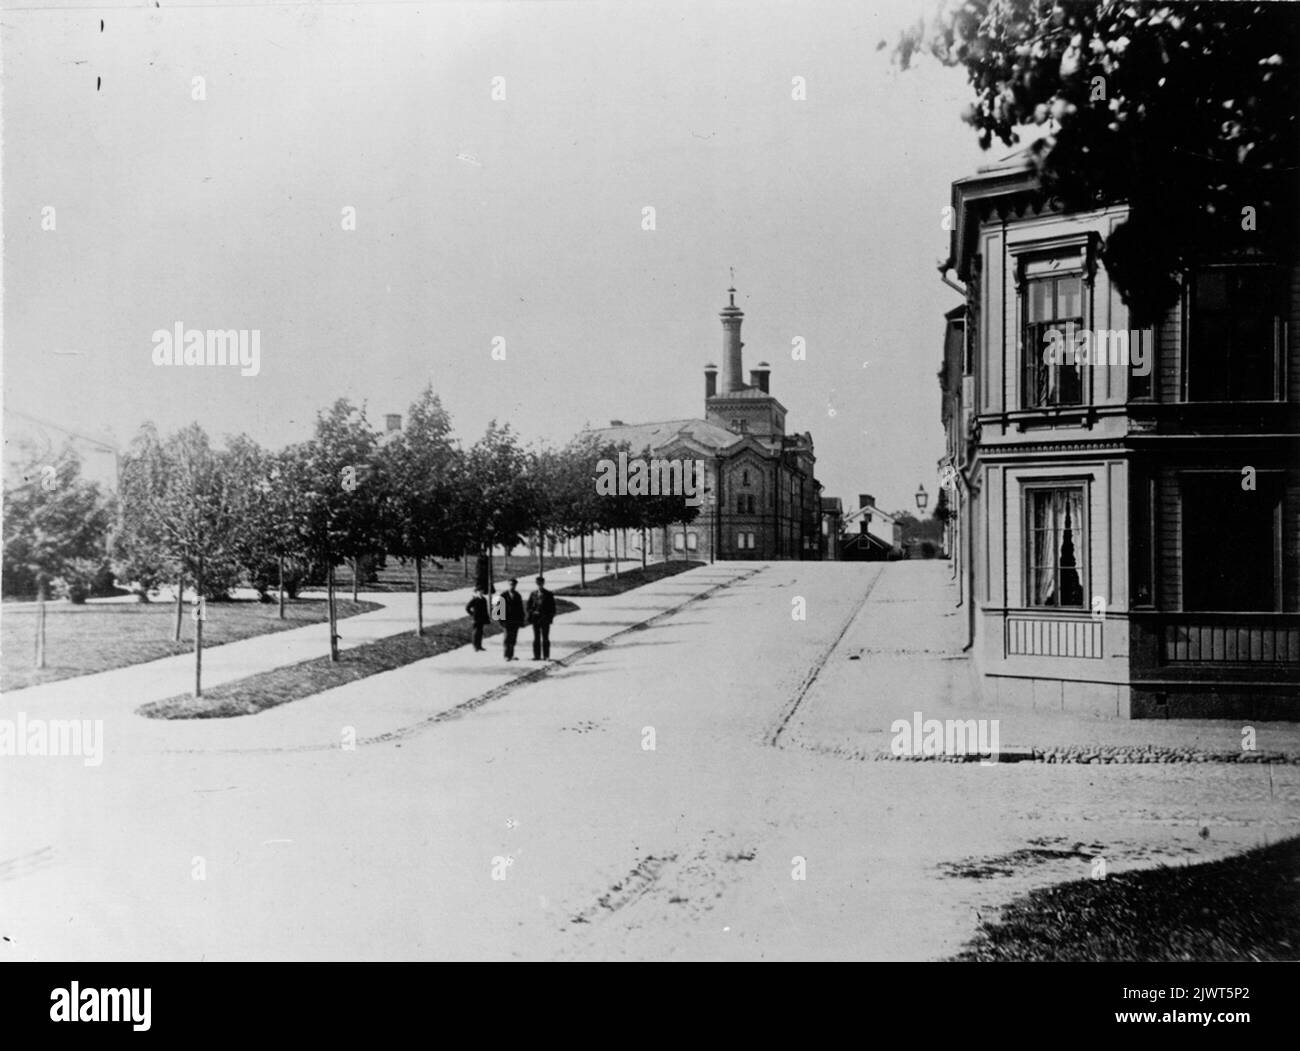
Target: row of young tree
x,y
199,517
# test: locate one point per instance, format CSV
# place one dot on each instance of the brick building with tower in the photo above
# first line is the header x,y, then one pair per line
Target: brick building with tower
x,y
761,498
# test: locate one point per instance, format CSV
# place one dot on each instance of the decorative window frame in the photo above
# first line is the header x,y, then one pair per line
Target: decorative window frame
x,y
1028,486
1076,252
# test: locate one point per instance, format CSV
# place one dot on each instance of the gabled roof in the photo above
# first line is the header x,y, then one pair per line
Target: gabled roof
x,y
657,435
744,392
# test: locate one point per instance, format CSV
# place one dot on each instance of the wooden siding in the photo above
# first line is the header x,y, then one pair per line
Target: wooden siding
x,y
1169,541
1230,640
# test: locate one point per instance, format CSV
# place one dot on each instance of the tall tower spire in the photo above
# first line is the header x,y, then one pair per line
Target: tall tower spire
x,y
733,375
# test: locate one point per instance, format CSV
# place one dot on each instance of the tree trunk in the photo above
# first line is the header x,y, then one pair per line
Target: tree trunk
x,y
541,552
198,630
329,602
356,572
419,598
582,560
666,548
644,544
615,532
40,623
180,607
280,560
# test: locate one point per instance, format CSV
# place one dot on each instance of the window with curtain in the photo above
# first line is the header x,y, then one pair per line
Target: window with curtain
x,y
1054,302
1057,547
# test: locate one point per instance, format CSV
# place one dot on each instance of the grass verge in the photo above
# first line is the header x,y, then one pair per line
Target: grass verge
x,y
82,640
268,689
626,581
1243,908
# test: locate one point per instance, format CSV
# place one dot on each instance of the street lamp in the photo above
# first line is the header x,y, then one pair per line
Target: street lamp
x,y
922,498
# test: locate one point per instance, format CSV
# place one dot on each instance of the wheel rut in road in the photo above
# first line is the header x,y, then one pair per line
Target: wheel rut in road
x,y
775,730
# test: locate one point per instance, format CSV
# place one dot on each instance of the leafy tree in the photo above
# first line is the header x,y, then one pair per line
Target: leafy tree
x,y
56,526
267,547
140,558
578,509
494,498
543,481
340,496
424,469
180,504
1188,112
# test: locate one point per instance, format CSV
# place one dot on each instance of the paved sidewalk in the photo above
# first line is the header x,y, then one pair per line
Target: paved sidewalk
x,y
902,654
122,690
380,705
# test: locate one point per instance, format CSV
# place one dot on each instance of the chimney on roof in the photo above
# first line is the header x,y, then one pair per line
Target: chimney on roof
x,y
393,421
866,500
758,377
616,423
710,380
732,369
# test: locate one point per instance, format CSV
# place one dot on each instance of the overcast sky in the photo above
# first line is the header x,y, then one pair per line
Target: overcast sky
x,y
478,218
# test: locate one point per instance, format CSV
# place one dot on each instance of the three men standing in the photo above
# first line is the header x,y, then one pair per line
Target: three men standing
x,y
509,609
541,611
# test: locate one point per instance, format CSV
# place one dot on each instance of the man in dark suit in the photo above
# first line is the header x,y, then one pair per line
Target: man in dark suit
x,y
541,611
477,608
513,604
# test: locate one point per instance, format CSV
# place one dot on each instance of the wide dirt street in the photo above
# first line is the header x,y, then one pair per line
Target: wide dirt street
x,y
654,799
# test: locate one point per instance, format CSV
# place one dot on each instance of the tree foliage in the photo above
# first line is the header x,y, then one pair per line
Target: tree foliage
x,y
1188,112
56,530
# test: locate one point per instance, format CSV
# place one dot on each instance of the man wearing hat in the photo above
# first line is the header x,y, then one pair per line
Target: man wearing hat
x,y
541,611
513,604
477,608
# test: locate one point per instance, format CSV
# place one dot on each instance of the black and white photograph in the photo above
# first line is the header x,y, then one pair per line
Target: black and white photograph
x,y
873,430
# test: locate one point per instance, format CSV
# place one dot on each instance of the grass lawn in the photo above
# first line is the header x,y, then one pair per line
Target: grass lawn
x,y
256,693
1240,909
80,640
627,580
455,573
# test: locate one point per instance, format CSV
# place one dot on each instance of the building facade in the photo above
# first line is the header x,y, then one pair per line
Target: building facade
x,y
761,498
1127,530
32,443
870,534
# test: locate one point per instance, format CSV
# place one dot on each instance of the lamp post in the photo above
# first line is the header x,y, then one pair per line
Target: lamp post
x,y
922,498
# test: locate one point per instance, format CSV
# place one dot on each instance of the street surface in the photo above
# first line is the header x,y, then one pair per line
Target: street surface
x,y
607,848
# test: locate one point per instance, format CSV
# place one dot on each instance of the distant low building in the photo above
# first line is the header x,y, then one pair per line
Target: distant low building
x,y
870,534
31,443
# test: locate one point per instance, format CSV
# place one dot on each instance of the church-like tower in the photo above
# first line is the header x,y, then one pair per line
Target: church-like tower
x,y
733,376
738,406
